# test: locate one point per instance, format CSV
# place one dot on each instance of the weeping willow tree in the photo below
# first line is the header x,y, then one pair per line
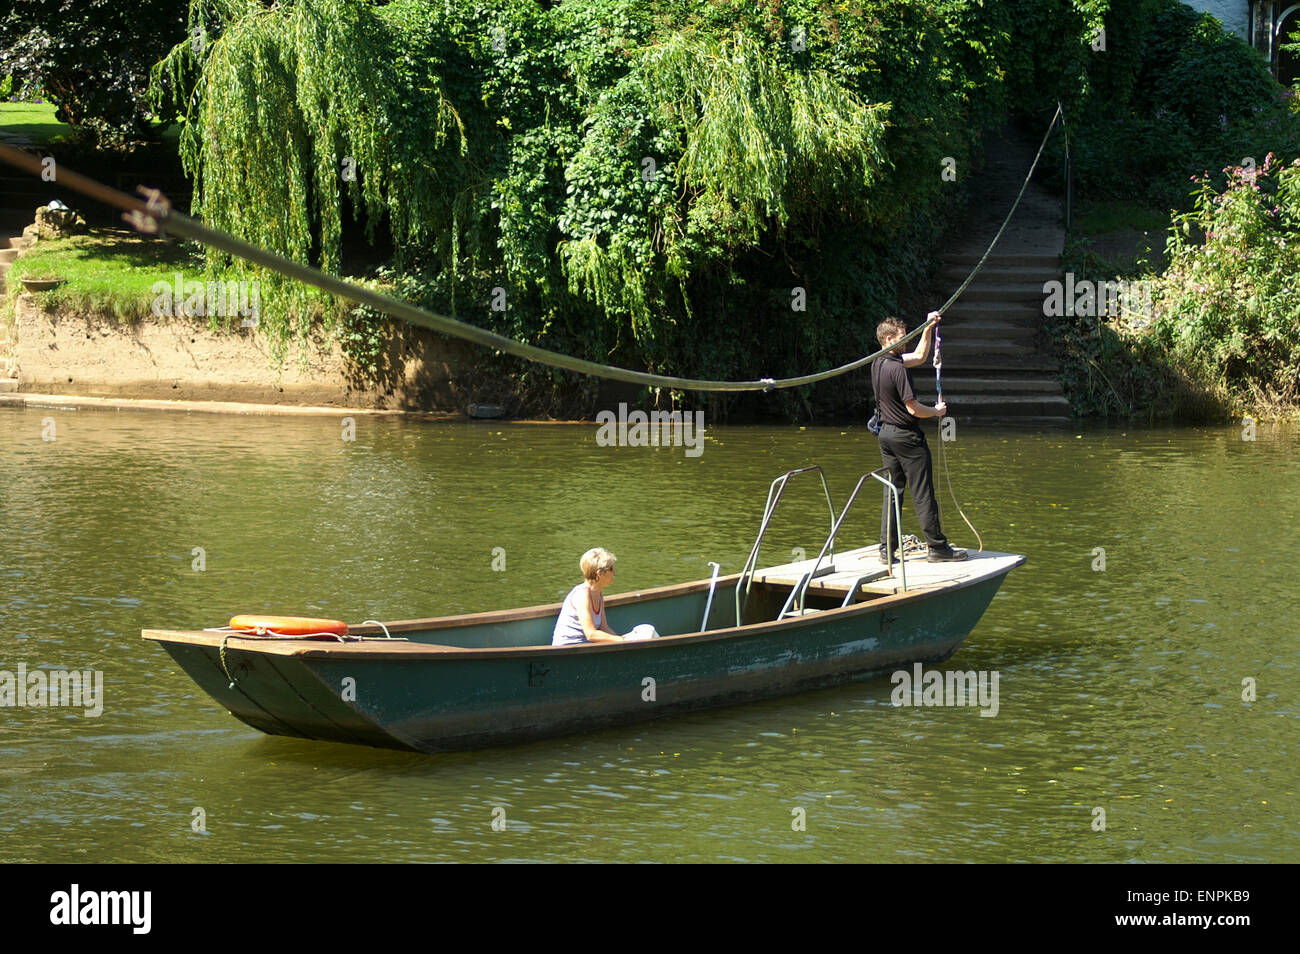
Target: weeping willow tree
x,y
736,143
293,107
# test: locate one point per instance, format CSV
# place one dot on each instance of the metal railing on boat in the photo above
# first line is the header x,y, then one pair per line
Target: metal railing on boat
x,y
800,591
774,493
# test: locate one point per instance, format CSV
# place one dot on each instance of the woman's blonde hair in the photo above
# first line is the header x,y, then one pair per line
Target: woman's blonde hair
x,y
595,562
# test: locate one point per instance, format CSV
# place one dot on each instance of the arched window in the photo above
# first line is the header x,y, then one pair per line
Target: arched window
x,y
1288,62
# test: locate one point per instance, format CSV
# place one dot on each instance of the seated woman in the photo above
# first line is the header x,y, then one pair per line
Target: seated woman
x,y
582,618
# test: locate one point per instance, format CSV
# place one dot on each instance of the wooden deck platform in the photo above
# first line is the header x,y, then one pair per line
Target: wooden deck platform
x,y
834,577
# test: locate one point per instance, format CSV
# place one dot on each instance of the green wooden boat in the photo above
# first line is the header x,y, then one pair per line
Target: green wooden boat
x,y
465,682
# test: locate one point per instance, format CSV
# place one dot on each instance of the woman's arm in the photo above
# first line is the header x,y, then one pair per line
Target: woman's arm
x,y
594,635
604,621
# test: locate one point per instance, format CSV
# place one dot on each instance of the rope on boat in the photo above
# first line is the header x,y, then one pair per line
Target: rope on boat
x,y
943,460
221,654
910,543
340,637
227,632
156,216
272,634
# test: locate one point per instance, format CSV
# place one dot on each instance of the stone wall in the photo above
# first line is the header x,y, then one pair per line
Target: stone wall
x,y
1233,14
181,359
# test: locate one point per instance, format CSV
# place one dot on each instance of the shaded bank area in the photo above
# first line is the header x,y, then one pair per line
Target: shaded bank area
x,y
80,402
182,358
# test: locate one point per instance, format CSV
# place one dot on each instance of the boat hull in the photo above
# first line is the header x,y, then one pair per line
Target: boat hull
x,y
443,698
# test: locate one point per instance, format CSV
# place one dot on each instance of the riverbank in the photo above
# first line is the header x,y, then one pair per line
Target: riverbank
x,y
172,360
81,402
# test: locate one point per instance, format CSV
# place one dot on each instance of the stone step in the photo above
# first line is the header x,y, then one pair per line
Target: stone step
x,y
1035,274
1042,421
8,384
1039,384
973,330
997,365
961,347
990,330
1004,259
962,309
1008,405
1010,371
7,255
1003,293
995,370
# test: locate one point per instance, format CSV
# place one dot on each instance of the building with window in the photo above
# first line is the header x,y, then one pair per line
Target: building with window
x,y
1265,25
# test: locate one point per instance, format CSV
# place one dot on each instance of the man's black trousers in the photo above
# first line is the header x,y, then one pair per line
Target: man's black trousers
x,y
904,451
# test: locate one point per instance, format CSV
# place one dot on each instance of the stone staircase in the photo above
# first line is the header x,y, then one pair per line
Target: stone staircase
x,y
997,365
10,247
995,369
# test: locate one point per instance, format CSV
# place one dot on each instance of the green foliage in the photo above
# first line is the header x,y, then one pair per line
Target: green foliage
x,y
92,58
1229,303
6,89
1293,46
1113,367
293,107
1049,56
1224,329
364,337
713,143
1173,96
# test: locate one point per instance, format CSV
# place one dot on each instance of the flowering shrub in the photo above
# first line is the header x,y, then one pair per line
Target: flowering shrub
x,y
1228,305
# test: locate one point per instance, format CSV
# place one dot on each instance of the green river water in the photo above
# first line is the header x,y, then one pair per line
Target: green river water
x,y
1121,689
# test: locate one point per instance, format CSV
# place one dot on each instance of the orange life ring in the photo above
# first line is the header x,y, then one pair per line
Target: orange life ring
x,y
288,626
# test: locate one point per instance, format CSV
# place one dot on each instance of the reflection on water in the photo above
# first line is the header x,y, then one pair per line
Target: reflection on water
x,y
1121,689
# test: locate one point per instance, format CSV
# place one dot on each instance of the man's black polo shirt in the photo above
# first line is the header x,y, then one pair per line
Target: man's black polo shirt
x,y
892,382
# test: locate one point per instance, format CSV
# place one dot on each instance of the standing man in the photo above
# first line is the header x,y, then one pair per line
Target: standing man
x,y
903,448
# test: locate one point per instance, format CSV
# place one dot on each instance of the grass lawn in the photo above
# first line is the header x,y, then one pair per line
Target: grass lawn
x,y
108,271
35,123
